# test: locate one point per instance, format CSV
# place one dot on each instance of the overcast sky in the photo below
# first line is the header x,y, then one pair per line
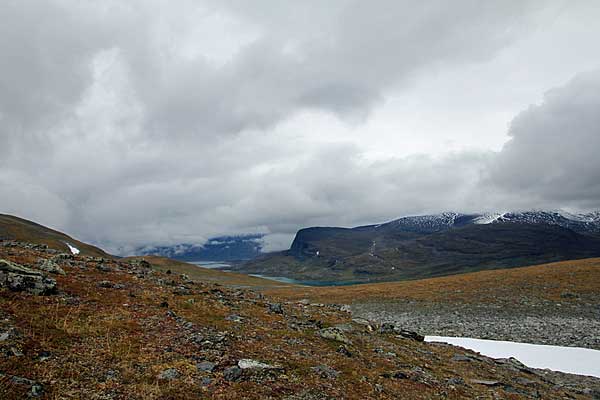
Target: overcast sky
x,y
129,123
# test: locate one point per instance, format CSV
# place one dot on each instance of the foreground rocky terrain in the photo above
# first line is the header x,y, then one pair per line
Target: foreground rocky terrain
x,y
556,303
74,326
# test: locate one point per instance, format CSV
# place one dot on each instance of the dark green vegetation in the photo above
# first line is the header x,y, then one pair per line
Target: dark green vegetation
x,y
422,247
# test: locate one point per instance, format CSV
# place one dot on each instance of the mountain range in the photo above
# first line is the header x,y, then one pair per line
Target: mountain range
x,y
222,248
432,245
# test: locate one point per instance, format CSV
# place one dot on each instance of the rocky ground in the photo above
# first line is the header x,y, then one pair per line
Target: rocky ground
x,y
98,328
557,303
568,327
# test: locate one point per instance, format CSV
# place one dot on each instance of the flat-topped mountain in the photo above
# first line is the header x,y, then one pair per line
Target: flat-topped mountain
x,y
433,245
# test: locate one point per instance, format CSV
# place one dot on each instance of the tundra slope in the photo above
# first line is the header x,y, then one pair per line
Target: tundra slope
x,y
432,245
120,329
556,303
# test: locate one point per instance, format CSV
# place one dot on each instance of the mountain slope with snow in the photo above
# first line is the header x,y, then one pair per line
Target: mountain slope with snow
x,y
433,245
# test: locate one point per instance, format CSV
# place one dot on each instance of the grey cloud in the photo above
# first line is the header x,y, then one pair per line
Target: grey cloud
x,y
112,132
552,155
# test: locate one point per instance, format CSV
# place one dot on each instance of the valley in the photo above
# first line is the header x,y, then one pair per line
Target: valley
x,y
78,325
556,303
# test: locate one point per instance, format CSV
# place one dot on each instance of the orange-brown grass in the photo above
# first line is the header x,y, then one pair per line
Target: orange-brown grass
x,y
545,281
90,330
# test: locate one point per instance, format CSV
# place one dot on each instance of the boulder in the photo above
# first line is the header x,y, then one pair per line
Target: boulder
x,y
18,278
50,266
232,373
325,371
334,334
169,374
255,365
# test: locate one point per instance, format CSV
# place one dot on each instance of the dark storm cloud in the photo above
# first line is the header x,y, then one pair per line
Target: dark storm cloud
x,y
141,122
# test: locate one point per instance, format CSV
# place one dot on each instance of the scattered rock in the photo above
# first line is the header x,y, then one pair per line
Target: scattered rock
x,y
35,389
232,373
63,257
455,381
206,366
344,350
569,295
206,381
461,357
410,335
276,308
169,374
111,374
234,318
248,363
395,375
104,268
19,278
485,382
334,334
50,266
346,308
325,371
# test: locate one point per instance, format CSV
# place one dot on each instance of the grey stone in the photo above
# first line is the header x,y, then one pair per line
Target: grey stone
x,y
232,373
334,334
460,357
248,363
276,308
18,278
169,374
234,318
325,371
51,266
206,366
485,382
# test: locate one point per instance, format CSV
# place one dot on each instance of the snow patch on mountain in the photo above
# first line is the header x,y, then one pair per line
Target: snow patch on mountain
x,y
74,250
488,218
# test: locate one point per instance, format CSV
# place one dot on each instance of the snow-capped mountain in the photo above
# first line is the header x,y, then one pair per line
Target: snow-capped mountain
x,y
433,245
580,222
585,222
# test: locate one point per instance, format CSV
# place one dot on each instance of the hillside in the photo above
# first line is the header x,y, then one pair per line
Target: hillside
x,y
73,326
434,245
15,228
555,303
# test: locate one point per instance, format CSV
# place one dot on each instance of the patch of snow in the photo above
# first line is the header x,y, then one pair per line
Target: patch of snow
x,y
574,360
488,218
74,250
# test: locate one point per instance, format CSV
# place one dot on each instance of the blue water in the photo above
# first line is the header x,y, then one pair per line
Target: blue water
x,y
307,283
211,264
223,265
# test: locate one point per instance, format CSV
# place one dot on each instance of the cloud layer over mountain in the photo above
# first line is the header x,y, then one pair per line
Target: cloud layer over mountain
x,y
141,122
